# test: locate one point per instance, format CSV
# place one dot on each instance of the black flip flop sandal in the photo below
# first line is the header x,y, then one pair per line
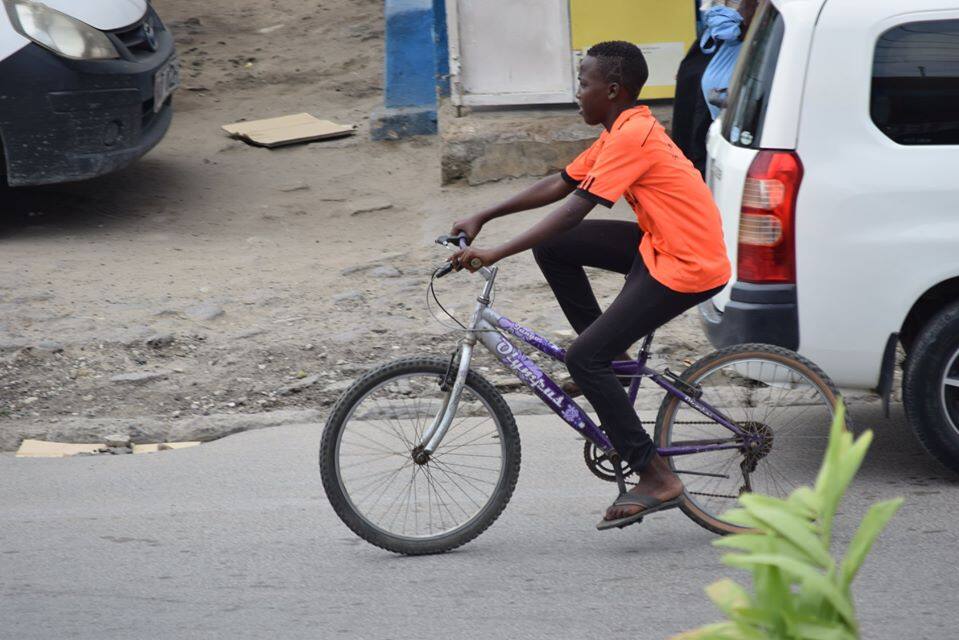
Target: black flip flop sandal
x,y
649,504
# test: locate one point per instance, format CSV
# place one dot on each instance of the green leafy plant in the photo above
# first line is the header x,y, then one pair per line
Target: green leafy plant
x,y
800,590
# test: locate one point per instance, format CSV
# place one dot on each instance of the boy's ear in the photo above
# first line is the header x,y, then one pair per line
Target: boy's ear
x,y
613,90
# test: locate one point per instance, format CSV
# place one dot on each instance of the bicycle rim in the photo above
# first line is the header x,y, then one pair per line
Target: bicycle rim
x,y
395,495
788,402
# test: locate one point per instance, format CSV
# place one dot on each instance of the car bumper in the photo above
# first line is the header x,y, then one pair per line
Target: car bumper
x,y
63,120
754,313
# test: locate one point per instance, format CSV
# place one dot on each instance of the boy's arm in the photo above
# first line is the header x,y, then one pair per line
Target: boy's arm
x,y
547,191
567,216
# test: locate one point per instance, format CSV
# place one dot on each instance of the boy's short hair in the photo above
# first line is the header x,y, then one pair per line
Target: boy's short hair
x,y
621,62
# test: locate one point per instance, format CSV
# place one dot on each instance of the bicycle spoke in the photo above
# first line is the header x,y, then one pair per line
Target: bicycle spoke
x,y
416,526
440,505
387,483
466,478
460,465
468,455
399,431
367,446
437,486
471,443
450,496
367,461
460,436
399,503
458,486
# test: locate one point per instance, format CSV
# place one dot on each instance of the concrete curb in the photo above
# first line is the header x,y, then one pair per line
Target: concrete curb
x,y
150,428
484,146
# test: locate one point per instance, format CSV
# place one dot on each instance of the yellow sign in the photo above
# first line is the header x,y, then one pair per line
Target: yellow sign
x,y
663,29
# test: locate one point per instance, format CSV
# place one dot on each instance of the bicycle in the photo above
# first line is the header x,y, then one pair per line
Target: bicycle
x,y
422,454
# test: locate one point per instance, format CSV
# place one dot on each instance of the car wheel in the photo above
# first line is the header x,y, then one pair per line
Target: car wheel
x,y
931,386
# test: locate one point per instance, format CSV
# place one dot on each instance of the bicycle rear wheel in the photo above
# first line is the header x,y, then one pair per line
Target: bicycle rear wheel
x,y
767,391
397,501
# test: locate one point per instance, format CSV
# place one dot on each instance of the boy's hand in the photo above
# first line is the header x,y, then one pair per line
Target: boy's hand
x,y
466,258
471,226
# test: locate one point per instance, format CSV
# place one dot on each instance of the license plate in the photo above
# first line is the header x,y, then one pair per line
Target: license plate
x,y
164,82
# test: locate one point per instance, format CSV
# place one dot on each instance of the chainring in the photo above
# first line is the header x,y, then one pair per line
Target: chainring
x,y
599,463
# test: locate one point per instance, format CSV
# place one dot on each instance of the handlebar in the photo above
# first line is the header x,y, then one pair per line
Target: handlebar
x,y
461,240
444,270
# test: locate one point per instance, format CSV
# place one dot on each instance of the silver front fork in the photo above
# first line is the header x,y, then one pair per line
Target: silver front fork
x,y
434,435
441,423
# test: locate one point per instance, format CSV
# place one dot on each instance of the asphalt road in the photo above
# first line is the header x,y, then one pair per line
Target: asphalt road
x,y
235,539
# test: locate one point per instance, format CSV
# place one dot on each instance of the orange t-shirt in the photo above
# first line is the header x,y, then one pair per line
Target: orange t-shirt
x,y
682,244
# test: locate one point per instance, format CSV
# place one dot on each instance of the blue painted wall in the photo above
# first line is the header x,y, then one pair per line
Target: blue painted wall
x,y
441,42
410,54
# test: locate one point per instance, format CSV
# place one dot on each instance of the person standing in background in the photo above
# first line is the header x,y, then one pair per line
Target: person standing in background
x,y
708,66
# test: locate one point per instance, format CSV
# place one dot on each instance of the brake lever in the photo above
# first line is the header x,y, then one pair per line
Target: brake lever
x,y
447,240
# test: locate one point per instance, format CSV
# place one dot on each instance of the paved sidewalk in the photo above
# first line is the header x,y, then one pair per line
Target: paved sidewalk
x,y
235,539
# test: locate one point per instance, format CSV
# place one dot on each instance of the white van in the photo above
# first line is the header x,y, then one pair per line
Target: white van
x,y
84,87
836,167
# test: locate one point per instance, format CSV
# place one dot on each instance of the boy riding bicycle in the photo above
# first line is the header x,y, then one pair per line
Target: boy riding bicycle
x,y
673,258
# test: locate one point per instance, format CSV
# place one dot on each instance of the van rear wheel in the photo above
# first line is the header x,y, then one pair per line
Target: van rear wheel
x,y
930,387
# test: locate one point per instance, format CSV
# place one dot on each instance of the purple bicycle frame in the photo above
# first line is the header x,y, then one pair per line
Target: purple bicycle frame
x,y
489,328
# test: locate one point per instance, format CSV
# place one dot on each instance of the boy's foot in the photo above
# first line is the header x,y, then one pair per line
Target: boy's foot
x,y
658,486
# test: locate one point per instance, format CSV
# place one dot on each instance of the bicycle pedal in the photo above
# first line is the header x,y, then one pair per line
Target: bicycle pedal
x,y
691,390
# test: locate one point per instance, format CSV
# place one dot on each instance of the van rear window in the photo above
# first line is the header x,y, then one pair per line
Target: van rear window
x,y
753,78
915,83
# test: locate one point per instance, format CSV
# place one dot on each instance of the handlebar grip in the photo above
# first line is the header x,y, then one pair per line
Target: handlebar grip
x,y
476,263
459,239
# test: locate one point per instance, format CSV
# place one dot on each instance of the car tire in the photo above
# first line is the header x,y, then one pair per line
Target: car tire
x,y
930,386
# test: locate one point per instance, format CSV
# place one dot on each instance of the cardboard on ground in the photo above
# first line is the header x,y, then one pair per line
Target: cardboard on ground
x,y
162,446
41,449
274,132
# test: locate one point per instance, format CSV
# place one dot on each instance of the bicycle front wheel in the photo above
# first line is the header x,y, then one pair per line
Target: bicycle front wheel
x,y
395,499
769,392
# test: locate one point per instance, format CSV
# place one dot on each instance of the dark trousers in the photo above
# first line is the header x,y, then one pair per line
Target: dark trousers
x,y
642,306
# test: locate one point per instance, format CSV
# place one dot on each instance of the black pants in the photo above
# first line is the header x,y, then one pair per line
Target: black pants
x,y
642,306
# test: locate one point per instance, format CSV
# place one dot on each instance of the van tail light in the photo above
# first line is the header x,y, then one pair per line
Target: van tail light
x,y
767,241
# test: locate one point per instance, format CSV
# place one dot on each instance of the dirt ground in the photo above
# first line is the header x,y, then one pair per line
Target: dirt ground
x,y
211,276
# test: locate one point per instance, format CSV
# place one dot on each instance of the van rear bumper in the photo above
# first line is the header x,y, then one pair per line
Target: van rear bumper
x,y
766,313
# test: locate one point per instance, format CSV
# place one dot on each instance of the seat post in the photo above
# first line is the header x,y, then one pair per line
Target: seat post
x,y
644,350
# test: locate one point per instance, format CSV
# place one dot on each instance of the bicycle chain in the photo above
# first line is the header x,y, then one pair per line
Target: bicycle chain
x,y
701,493
712,495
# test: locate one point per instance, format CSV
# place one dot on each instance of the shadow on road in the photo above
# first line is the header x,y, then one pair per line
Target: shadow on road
x,y
147,187
896,455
